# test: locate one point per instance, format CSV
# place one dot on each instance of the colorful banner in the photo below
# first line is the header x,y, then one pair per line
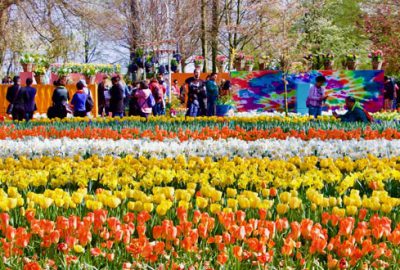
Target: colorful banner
x,y
264,90
364,85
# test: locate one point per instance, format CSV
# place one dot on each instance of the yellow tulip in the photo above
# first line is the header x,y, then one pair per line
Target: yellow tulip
x,y
79,249
284,197
351,210
294,203
46,203
183,204
138,206
386,208
232,203
231,193
13,192
201,202
131,206
148,207
162,209
215,208
282,208
244,202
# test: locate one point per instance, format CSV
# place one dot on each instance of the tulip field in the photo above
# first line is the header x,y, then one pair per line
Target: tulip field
x,y
261,192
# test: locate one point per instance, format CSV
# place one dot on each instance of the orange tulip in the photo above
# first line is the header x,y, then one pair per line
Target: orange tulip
x,y
305,228
362,213
238,252
346,226
222,258
95,252
32,266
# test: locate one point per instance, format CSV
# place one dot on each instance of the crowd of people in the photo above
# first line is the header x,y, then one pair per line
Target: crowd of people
x,y
149,97
118,99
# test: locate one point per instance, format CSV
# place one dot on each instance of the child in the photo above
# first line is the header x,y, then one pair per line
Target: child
x,y
78,102
316,97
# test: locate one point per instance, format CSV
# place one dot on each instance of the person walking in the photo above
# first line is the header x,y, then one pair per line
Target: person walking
x,y
78,102
316,97
145,100
29,94
15,97
212,94
117,106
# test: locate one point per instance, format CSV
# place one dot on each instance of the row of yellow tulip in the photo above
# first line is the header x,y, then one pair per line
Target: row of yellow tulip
x,y
225,185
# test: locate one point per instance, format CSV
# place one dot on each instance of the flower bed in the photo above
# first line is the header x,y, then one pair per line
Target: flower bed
x,y
205,133
126,213
265,192
217,149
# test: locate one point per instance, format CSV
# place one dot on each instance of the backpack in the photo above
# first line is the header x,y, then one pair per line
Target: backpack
x,y
89,104
151,102
369,116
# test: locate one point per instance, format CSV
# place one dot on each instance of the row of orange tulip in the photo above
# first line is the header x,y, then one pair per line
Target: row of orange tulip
x,y
202,134
192,239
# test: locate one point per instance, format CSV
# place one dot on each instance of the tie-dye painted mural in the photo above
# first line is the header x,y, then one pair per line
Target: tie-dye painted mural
x,y
261,91
364,85
264,90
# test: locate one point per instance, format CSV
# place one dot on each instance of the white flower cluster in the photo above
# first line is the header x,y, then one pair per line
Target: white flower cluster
x,y
274,149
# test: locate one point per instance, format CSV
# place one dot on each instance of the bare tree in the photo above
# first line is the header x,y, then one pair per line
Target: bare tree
x,y
4,18
215,33
204,48
241,25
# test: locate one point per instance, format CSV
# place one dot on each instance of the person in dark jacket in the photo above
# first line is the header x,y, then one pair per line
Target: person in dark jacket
x,y
60,99
117,106
134,108
197,96
101,99
12,90
127,95
29,97
15,96
388,93
212,94
355,112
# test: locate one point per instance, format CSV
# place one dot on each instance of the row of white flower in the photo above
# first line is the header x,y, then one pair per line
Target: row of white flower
x,y
274,149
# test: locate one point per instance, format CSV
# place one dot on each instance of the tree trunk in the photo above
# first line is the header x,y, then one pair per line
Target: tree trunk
x,y
87,49
133,28
233,38
228,19
214,34
3,41
204,49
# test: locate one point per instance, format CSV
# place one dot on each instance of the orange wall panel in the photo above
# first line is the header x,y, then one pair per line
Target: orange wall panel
x,y
43,97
